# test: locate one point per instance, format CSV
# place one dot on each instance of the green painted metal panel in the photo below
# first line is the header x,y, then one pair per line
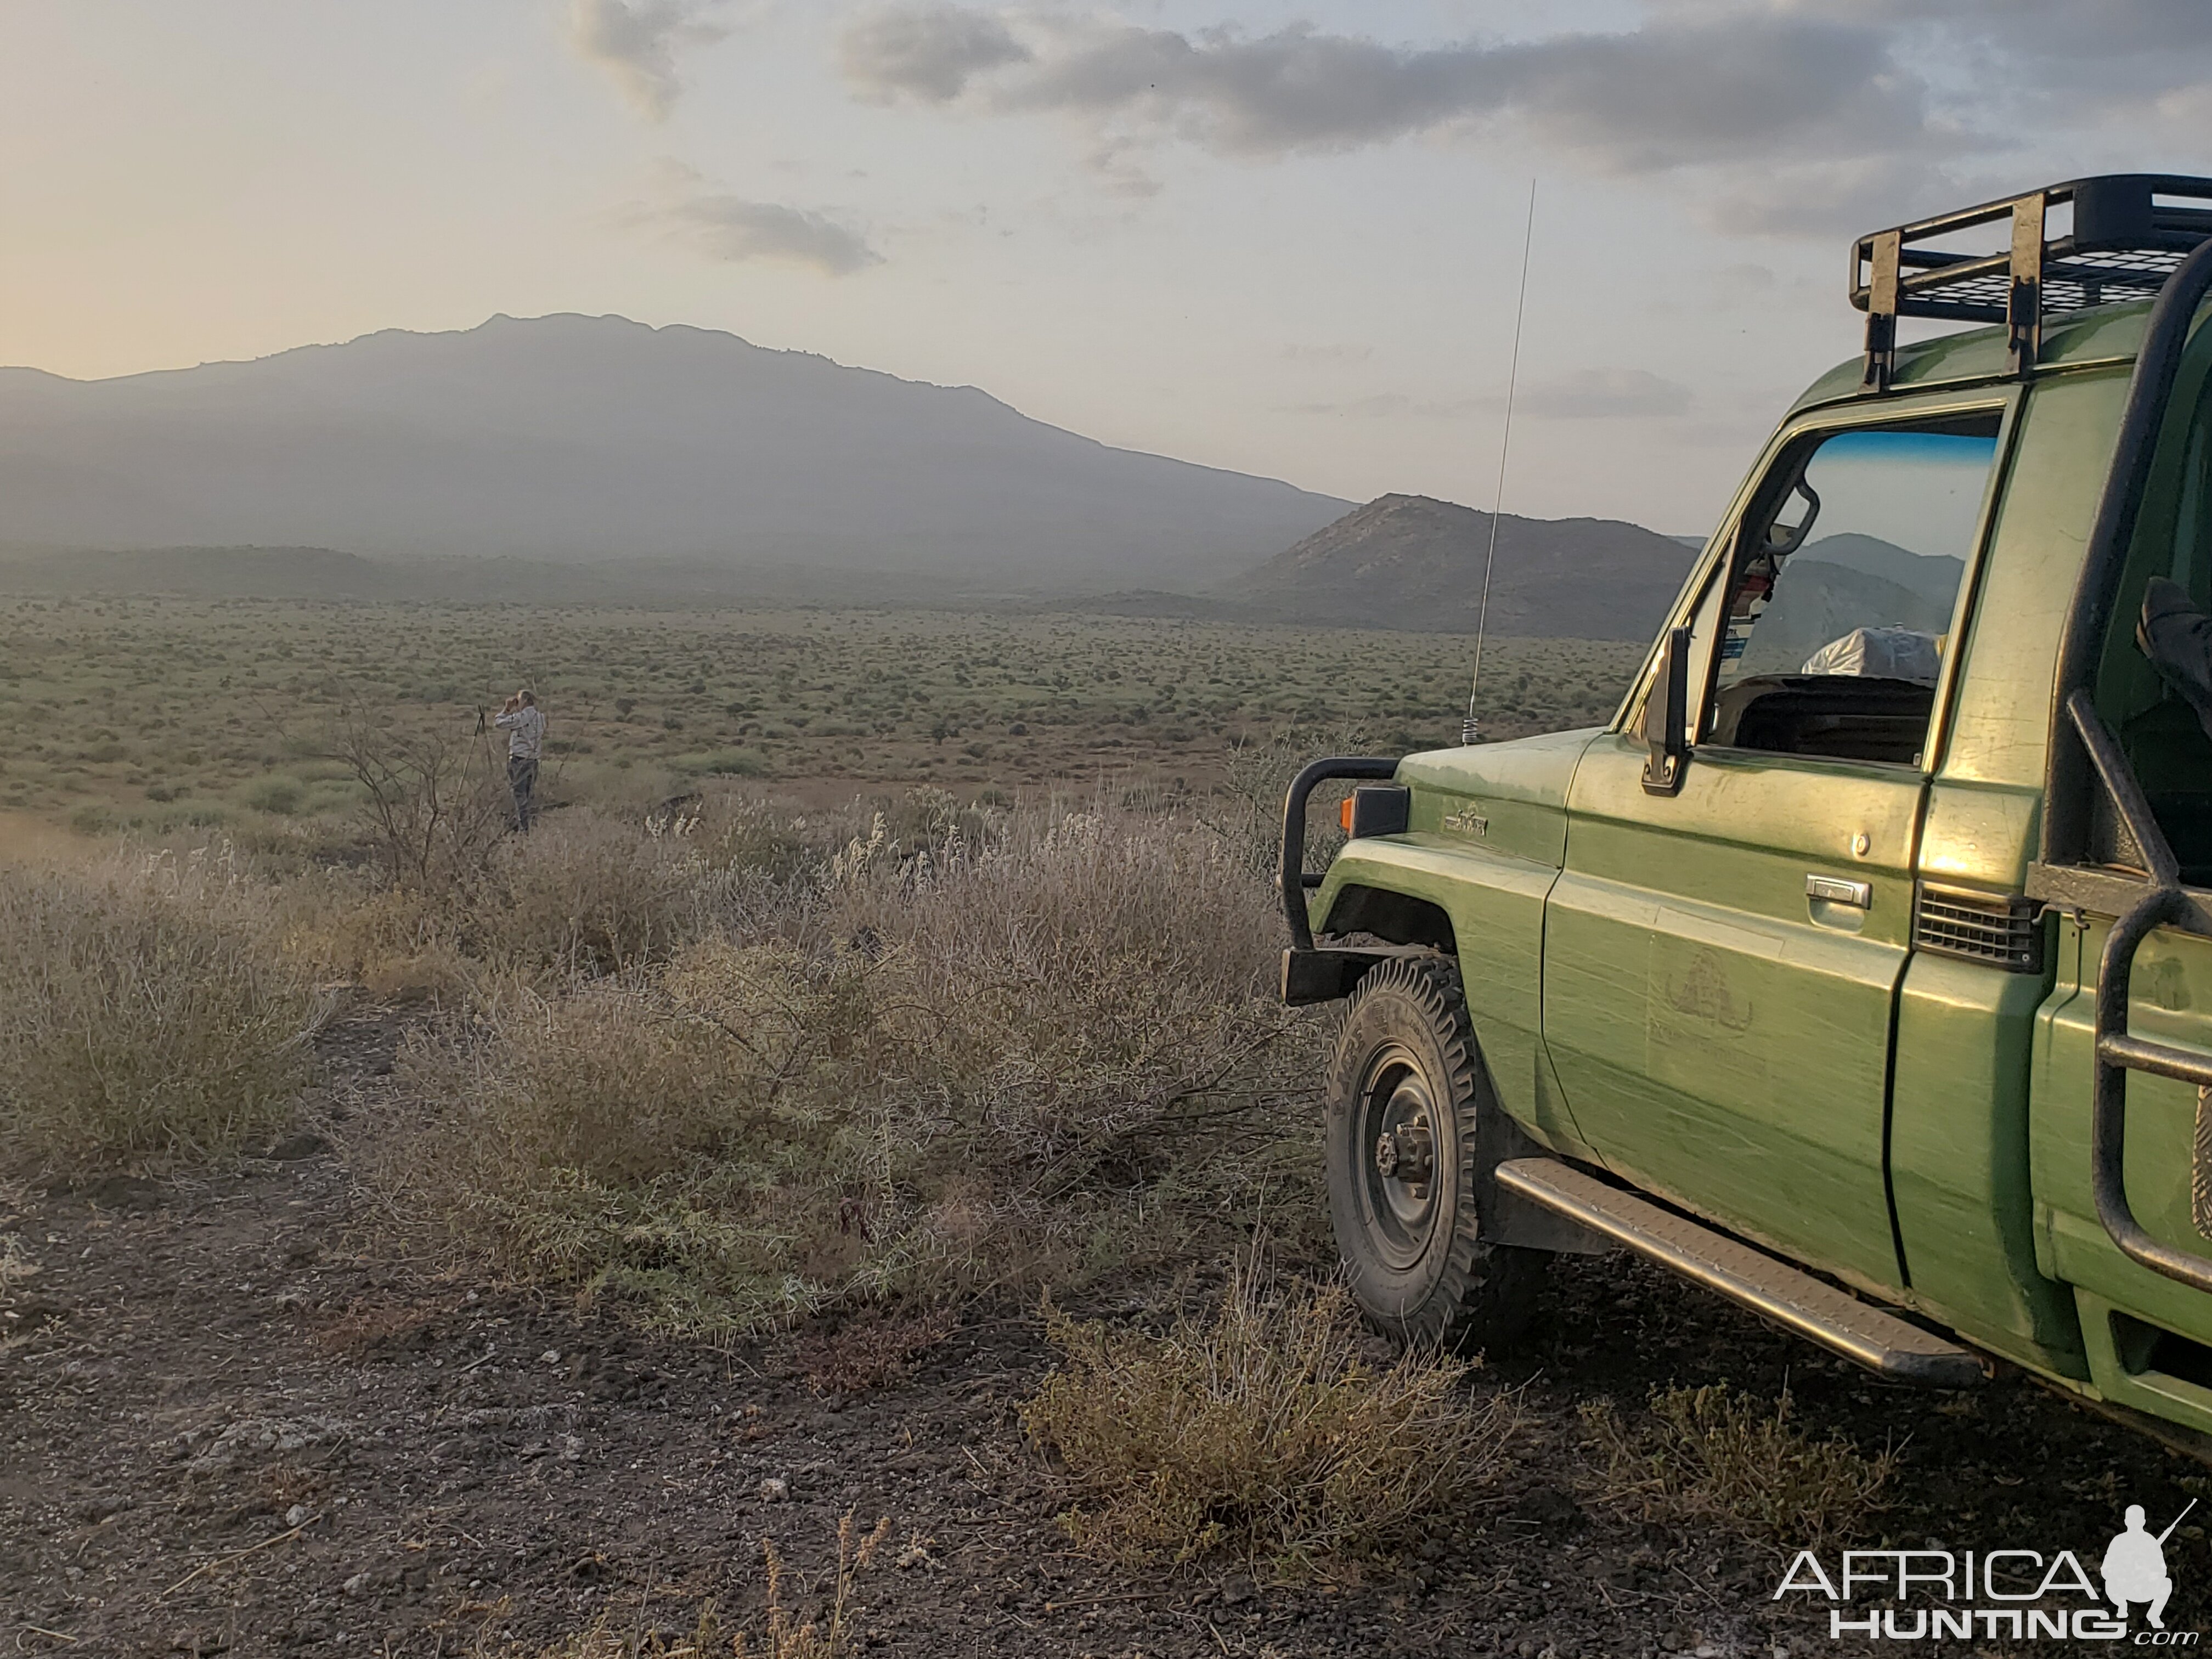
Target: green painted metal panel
x,y
1495,902
1981,834
2105,334
1959,1161
2134,1384
2001,713
1958,1165
1485,833
1506,797
2171,1001
1723,1037
1959,1113
2173,538
2122,1306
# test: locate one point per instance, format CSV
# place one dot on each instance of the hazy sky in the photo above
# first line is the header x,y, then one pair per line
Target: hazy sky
x,y
1276,237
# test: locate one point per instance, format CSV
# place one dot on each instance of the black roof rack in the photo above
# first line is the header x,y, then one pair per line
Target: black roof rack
x,y
2130,231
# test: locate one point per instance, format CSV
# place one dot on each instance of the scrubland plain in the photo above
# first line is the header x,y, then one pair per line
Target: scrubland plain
x,y
159,714
842,1184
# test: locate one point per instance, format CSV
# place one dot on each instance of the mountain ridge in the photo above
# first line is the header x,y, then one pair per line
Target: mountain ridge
x,y
597,459
575,437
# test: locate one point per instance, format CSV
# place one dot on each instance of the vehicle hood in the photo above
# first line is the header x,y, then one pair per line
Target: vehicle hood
x,y
1504,797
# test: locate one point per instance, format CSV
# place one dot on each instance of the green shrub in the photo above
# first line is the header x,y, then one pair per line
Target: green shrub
x,y
1712,1454
906,1070
580,897
724,763
281,796
678,1147
1262,1431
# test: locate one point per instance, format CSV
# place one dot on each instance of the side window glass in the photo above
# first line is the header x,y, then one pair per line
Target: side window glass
x,y
1841,593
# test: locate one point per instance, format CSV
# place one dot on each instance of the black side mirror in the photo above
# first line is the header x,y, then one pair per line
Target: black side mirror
x,y
1666,717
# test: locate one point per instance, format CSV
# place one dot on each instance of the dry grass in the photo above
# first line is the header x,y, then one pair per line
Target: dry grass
x,y
1260,1432
679,1144
828,1635
247,693
788,1630
1712,1455
608,1638
1245,808
400,945
926,1065
865,1353
742,1071
17,1269
145,1017
588,895
585,896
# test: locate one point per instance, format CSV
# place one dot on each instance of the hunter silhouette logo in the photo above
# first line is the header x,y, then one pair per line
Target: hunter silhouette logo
x,y
2134,1568
2016,1595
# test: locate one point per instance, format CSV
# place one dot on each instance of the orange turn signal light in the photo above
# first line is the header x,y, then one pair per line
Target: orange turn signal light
x,y
1344,814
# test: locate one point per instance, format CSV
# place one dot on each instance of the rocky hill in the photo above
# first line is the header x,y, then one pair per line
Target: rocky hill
x,y
1411,561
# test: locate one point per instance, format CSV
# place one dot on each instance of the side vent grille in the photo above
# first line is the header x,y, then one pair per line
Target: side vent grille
x,y
2001,929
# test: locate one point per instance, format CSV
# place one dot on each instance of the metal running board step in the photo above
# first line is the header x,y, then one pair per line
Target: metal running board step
x,y
1793,1299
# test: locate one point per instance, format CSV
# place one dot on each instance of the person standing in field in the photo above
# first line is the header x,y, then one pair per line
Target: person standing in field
x,y
524,723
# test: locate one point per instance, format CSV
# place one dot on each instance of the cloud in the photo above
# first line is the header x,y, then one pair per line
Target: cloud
x,y
1588,394
1598,394
1792,115
1843,196
636,41
1328,354
2133,48
930,54
1674,93
738,230
730,227
1741,280
1391,405
1120,175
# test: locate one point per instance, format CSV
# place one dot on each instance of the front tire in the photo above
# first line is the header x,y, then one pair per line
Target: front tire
x,y
1407,1095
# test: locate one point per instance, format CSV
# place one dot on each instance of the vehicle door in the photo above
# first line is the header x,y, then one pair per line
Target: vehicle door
x,y
1721,955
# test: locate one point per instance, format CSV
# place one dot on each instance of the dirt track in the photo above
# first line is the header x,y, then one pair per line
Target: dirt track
x,y
227,1423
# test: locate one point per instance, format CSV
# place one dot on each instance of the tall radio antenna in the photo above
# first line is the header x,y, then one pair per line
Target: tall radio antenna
x,y
1470,729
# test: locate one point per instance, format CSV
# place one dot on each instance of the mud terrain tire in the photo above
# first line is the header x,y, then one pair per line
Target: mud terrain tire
x,y
1407,1090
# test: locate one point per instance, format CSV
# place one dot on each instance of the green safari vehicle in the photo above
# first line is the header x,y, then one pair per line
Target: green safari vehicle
x,y
1860,968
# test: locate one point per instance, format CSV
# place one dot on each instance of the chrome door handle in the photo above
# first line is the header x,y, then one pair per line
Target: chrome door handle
x,y
1859,894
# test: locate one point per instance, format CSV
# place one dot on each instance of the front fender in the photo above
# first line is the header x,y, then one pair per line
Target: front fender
x,y
1495,901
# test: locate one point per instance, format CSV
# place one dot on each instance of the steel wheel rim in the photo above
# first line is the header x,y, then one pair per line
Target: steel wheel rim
x,y
1397,1111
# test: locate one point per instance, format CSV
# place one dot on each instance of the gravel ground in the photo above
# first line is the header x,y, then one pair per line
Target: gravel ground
x,y
230,1422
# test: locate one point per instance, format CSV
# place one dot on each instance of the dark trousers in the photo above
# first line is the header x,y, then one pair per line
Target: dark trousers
x,y
522,779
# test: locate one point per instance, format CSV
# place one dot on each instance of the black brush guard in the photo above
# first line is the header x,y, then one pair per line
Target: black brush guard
x,y
2163,901
1311,973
